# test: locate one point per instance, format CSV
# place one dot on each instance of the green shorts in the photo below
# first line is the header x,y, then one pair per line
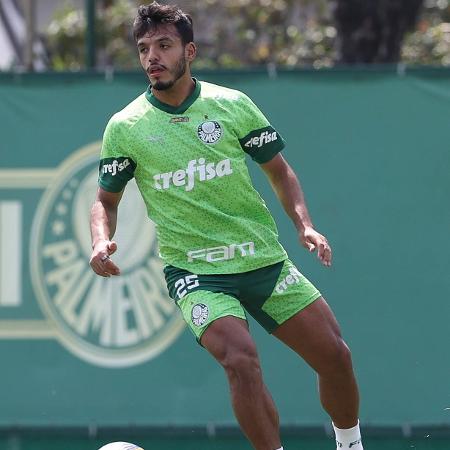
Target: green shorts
x,y
271,295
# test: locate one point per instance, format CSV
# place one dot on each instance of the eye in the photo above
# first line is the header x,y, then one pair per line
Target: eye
x,y
164,46
143,50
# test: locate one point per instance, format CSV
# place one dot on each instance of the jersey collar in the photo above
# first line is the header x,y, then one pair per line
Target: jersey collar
x,y
174,109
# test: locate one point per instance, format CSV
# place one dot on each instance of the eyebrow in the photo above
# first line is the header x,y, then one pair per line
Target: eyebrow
x,y
162,38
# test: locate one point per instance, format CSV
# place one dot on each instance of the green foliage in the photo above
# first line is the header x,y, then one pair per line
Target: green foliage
x,y
430,43
114,43
114,35
65,39
231,34
256,32
238,33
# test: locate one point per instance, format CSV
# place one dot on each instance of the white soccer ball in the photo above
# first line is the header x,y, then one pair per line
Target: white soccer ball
x,y
121,446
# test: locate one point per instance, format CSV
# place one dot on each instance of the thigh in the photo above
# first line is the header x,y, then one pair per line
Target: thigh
x,y
203,299
290,293
201,308
314,334
229,341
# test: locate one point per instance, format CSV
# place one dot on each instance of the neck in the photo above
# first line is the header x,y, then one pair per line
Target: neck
x,y
178,93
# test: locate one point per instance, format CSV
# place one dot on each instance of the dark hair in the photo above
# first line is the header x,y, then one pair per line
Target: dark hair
x,y
150,16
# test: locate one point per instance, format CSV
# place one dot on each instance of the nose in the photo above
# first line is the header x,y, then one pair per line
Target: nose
x,y
153,55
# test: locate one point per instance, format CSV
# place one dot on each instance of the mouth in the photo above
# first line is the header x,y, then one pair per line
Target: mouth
x,y
155,71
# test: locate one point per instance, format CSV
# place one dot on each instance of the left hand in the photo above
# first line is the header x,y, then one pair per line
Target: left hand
x,y
313,240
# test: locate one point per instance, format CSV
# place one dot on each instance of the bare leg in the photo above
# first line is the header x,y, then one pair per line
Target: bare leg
x,y
229,341
314,334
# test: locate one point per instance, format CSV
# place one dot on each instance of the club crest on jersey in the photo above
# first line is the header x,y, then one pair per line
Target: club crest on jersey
x,y
199,314
209,132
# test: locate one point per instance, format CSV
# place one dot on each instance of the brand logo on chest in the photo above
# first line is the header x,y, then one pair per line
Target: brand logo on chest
x,y
200,170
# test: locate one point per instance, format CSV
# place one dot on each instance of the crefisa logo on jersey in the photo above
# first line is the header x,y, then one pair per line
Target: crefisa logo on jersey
x,y
209,132
111,322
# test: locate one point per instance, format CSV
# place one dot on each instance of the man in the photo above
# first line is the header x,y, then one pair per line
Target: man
x,y
184,141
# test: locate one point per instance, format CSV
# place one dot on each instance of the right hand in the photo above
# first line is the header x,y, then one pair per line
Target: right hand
x,y
100,259
313,240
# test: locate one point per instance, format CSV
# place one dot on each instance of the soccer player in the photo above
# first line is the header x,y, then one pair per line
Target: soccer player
x,y
185,142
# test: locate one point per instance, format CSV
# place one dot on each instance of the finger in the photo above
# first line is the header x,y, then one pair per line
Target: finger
x,y
100,270
310,246
103,257
321,250
103,266
104,272
97,264
327,258
112,247
110,267
325,255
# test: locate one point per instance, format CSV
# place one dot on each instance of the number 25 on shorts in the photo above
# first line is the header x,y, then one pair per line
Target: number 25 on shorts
x,y
185,284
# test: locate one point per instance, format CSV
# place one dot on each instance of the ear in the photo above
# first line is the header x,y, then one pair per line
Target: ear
x,y
190,51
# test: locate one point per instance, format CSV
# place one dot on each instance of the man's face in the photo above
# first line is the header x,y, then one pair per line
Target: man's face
x,y
163,56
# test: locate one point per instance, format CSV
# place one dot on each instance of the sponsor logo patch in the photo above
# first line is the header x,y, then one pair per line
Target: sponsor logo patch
x,y
200,170
179,119
116,166
294,277
264,138
222,253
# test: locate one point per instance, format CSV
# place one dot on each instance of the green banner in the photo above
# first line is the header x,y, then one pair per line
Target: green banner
x,y
372,152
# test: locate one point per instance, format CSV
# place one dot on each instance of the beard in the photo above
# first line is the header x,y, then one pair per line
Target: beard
x,y
178,71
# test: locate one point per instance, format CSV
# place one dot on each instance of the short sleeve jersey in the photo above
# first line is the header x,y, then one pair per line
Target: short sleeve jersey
x,y
189,163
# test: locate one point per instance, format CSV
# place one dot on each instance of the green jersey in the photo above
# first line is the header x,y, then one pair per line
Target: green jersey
x,y
190,167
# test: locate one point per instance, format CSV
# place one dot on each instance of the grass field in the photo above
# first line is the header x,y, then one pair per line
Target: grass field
x,y
14,443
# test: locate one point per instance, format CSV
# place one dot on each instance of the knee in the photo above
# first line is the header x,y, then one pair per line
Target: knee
x,y
339,359
242,365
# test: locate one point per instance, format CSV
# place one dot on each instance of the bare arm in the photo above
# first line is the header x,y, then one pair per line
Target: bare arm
x,y
103,227
287,187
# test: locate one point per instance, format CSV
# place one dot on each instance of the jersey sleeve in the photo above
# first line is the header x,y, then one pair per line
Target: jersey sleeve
x,y
116,166
256,136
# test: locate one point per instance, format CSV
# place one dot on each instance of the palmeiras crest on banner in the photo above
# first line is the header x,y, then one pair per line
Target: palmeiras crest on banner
x,y
112,322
